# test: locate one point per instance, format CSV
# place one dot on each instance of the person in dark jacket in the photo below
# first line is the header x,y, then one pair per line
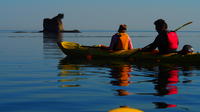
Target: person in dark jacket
x,y
166,41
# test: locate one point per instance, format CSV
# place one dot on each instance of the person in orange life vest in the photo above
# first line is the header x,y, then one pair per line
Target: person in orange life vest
x,y
120,40
166,41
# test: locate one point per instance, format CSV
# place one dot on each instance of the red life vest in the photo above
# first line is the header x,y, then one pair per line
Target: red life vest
x,y
172,40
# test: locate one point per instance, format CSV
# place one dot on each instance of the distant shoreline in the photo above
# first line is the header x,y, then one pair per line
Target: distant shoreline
x,y
65,31
72,31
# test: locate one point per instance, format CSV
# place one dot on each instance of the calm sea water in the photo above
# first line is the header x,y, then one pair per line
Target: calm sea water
x,y
36,76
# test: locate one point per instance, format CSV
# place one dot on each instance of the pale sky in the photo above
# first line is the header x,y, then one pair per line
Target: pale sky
x,y
99,14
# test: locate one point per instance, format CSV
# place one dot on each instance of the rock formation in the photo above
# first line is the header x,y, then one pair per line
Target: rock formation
x,y
53,25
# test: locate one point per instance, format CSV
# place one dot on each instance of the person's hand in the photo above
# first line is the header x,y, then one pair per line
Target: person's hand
x,y
139,49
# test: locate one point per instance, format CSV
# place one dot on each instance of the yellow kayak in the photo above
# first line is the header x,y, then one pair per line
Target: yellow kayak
x,y
75,49
125,109
72,49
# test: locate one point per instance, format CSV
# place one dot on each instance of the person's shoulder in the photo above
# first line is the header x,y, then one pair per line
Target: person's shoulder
x,y
116,35
171,31
124,34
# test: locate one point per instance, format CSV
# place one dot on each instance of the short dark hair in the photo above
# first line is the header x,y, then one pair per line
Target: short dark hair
x,y
122,27
60,15
161,23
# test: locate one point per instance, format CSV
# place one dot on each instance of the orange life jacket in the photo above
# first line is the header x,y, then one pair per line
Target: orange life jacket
x,y
123,42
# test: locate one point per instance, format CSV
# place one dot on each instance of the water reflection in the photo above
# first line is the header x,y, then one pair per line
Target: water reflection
x,y
162,105
165,84
70,73
50,47
187,72
122,75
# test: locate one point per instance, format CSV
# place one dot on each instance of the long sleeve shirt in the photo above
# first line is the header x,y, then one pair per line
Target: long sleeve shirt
x,y
161,42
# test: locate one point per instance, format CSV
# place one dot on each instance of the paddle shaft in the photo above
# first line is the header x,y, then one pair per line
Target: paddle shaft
x,y
182,26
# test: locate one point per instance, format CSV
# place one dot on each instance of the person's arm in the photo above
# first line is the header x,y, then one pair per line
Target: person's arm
x,y
113,42
112,45
151,46
130,45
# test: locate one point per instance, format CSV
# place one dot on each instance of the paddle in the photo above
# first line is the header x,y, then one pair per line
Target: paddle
x,y
183,26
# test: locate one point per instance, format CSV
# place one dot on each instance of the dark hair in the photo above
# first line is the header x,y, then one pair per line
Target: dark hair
x,y
122,28
60,15
161,24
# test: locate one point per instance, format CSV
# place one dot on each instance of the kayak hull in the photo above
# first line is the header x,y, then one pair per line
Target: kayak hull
x,y
75,50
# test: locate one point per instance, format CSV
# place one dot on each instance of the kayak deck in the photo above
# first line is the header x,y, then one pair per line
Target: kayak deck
x,y
75,49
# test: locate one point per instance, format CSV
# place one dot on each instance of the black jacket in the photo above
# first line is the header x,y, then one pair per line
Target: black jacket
x,y
160,42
